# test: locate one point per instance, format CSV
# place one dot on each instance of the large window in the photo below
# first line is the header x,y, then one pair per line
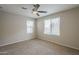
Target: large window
x,y
52,26
47,27
29,24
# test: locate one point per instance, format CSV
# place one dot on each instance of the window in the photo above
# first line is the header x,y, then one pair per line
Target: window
x,y
47,27
29,24
52,26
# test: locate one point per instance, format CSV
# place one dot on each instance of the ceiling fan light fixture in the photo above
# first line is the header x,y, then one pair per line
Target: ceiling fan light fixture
x,y
34,12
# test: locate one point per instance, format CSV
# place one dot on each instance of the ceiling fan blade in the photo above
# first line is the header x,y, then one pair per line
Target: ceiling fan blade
x,y
37,14
36,7
42,11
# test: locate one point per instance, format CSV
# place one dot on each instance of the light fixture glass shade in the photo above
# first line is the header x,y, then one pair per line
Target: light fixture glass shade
x,y
35,12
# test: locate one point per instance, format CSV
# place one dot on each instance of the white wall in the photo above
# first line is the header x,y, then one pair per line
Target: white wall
x,y
0,28
14,28
69,28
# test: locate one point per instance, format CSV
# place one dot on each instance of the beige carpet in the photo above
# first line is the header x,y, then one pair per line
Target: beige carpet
x,y
36,47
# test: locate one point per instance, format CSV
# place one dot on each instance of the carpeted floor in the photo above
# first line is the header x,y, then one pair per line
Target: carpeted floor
x,y
36,47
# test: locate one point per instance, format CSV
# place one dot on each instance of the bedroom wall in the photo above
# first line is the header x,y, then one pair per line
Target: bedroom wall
x,y
0,28
69,28
14,28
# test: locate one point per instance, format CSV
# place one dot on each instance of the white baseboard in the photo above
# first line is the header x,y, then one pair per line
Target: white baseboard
x,y
61,44
12,43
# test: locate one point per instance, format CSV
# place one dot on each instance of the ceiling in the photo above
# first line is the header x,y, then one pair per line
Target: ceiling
x,y
50,8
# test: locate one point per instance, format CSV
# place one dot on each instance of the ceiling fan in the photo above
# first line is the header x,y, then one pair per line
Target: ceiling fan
x,y
35,10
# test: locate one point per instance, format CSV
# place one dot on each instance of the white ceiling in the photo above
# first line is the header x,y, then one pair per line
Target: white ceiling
x,y
50,8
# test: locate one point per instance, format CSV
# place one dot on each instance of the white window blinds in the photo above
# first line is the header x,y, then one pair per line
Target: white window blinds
x,y
52,26
29,24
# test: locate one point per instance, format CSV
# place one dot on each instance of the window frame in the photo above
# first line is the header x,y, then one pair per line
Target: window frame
x,y
29,27
51,32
